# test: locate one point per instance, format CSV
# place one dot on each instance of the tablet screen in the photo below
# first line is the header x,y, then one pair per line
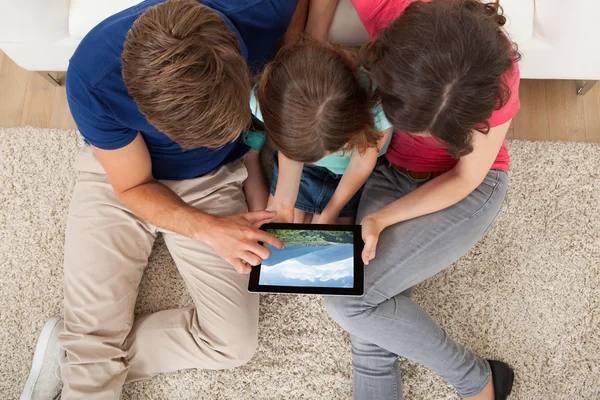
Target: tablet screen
x,y
311,258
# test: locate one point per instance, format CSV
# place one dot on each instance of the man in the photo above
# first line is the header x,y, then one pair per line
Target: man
x,y
160,92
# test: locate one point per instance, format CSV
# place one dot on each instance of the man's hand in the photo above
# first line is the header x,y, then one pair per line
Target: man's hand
x,y
284,209
235,238
371,229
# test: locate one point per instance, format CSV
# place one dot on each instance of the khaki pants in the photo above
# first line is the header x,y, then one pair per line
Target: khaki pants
x,y
106,251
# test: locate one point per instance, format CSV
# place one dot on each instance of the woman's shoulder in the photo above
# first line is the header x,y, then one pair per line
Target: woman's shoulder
x,y
378,14
512,104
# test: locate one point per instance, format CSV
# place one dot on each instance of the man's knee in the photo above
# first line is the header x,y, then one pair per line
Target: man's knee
x,y
243,352
235,348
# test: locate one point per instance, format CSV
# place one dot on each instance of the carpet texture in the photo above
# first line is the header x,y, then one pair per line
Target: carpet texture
x,y
529,293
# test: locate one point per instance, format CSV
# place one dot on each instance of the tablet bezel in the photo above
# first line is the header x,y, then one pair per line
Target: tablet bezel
x,y
356,290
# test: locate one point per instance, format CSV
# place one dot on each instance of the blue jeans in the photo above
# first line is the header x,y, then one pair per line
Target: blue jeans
x,y
317,186
386,322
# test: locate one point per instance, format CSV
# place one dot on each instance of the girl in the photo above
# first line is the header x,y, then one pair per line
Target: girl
x,y
448,80
318,111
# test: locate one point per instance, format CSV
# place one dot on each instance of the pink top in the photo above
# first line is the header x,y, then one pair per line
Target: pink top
x,y
428,154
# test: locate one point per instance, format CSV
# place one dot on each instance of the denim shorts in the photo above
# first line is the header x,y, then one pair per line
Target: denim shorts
x,y
317,185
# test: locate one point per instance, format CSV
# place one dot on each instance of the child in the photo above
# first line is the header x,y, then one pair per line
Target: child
x,y
319,112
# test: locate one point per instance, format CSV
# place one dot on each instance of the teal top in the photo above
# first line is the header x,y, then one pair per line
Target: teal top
x,y
337,162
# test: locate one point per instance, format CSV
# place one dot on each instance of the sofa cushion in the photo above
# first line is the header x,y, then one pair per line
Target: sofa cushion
x,y
520,16
568,25
86,14
28,21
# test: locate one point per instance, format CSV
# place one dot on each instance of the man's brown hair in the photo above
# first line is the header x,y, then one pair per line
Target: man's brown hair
x,y
439,68
183,67
313,102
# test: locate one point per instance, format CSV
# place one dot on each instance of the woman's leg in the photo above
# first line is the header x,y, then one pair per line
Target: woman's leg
x,y
376,371
408,253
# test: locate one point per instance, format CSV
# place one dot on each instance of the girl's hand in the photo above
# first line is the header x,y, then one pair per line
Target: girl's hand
x,y
371,229
325,218
285,210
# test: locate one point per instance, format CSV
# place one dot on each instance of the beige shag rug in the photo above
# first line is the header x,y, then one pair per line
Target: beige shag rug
x,y
529,293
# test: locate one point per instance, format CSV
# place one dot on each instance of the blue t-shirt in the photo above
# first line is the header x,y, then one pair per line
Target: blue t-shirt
x,y
107,115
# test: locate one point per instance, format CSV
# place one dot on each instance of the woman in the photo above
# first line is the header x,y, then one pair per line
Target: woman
x,y
448,81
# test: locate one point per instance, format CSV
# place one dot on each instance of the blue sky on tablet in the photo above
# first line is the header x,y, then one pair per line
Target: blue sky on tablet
x,y
330,265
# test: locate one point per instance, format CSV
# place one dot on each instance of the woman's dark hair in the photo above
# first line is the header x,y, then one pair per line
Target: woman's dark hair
x,y
313,101
439,69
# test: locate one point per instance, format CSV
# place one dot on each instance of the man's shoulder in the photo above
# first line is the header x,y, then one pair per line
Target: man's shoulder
x,y
281,10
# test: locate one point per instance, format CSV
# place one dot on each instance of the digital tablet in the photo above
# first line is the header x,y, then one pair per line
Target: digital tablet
x,y
317,259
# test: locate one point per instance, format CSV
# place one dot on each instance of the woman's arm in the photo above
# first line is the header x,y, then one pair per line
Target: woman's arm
x,y
286,193
320,15
359,169
439,193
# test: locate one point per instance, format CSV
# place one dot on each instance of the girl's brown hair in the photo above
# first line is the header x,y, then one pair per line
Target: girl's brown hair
x,y
313,102
439,69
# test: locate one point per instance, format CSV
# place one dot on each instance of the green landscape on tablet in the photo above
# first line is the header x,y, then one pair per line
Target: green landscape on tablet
x,y
312,258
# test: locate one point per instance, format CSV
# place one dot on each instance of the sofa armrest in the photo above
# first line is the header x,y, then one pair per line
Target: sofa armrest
x,y
33,21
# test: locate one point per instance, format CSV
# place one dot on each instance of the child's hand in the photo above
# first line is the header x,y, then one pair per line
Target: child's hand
x,y
285,210
325,218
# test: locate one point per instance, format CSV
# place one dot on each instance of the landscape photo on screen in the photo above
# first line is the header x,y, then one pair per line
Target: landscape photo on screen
x,y
311,258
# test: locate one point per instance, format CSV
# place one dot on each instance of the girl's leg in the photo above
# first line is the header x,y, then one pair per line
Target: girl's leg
x,y
340,220
300,216
408,253
346,220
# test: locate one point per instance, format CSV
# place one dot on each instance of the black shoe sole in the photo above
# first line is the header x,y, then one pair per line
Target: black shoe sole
x,y
504,377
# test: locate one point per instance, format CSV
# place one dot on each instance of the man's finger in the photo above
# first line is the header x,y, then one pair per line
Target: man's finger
x,y
257,249
257,218
251,258
240,266
267,238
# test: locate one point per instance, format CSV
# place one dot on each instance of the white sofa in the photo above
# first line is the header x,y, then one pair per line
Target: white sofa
x,y
558,39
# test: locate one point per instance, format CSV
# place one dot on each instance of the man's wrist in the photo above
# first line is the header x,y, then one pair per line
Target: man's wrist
x,y
199,224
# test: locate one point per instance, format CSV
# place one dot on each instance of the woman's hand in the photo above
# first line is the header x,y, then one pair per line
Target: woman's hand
x,y
371,229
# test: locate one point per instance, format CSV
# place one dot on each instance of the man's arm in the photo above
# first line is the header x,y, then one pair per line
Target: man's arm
x,y
234,237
